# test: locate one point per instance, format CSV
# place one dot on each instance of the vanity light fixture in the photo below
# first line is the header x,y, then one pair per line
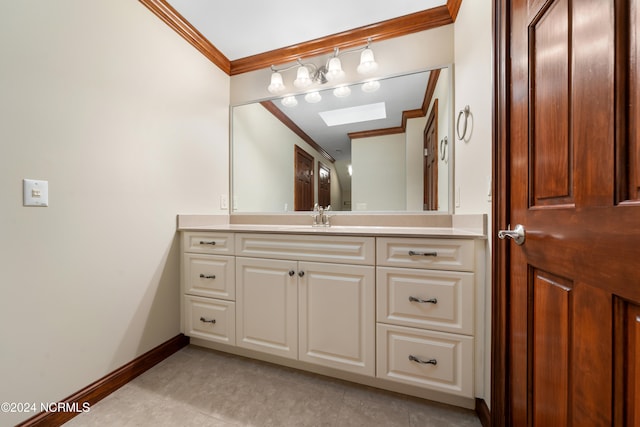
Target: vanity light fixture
x,y
308,73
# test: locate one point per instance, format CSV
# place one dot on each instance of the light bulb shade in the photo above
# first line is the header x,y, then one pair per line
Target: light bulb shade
x,y
367,63
334,70
289,101
302,78
371,86
312,97
276,85
342,91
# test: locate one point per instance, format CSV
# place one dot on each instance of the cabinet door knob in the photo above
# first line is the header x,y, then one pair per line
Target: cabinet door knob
x,y
424,362
212,321
202,276
301,273
291,273
424,301
414,253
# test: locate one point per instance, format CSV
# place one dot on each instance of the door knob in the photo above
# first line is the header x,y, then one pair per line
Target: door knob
x,y
517,234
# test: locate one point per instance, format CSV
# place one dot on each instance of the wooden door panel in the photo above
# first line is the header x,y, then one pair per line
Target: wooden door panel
x,y
628,135
591,356
550,330
627,411
303,180
551,146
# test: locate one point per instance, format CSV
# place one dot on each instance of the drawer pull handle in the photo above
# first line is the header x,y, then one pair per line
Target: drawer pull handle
x,y
414,253
292,273
424,362
202,242
212,321
208,277
424,301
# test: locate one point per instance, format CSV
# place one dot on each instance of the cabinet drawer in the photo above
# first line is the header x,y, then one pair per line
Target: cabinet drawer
x,y
210,319
431,299
439,254
447,359
204,242
209,275
336,249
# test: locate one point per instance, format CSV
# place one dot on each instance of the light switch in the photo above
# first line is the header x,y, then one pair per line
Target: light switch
x,y
35,192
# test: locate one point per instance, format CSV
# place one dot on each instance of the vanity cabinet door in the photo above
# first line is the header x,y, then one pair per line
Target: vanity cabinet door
x,y
267,306
337,316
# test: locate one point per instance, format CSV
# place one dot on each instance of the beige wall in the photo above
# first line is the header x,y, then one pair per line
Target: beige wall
x,y
263,155
473,87
129,124
378,182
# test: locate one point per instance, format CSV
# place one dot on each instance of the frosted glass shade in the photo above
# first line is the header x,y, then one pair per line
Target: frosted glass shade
x,y
371,86
276,85
312,97
334,70
342,91
367,63
302,78
289,101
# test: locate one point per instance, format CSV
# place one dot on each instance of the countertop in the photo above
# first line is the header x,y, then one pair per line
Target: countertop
x,y
375,231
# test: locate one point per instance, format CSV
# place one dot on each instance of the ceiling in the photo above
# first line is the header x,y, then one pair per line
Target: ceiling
x,y
243,28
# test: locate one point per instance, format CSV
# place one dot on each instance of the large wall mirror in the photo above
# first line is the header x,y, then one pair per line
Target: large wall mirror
x,y
384,146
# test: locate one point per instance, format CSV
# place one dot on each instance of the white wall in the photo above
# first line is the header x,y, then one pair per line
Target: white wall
x,y
263,155
474,87
129,124
378,181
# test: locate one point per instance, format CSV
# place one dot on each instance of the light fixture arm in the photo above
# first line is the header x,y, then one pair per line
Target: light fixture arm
x,y
337,53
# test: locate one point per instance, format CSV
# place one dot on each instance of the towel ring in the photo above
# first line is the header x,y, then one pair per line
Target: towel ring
x,y
443,149
466,113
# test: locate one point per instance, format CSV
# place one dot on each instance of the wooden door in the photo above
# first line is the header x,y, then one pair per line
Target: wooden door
x,y
431,160
566,301
303,184
324,185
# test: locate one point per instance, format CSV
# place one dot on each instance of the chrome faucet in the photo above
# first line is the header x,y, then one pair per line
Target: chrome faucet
x,y
324,218
320,216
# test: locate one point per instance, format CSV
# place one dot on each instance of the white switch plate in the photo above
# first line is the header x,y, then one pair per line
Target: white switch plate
x,y
224,201
35,192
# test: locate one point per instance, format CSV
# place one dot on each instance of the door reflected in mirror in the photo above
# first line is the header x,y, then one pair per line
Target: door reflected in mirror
x,y
381,147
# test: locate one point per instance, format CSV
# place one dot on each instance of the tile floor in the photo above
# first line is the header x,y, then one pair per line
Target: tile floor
x,y
200,387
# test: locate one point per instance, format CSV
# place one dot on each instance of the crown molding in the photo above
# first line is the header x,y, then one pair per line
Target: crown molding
x,y
180,25
415,22
412,23
270,106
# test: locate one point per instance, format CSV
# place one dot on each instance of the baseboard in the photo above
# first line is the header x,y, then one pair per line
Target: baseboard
x,y
483,411
106,385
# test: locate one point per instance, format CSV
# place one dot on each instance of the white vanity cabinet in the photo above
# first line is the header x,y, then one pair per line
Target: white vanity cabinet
x,y
400,313
208,286
426,313
292,304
